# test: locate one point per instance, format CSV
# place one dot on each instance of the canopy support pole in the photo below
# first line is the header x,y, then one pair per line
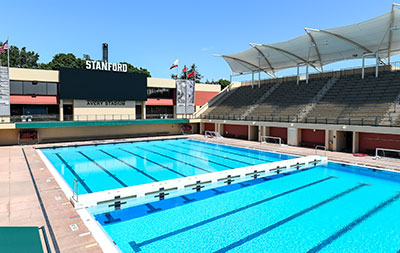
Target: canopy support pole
x,y
307,73
298,74
230,82
252,80
259,79
363,67
377,65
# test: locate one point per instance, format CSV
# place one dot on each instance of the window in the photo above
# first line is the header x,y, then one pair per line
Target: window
x,y
33,88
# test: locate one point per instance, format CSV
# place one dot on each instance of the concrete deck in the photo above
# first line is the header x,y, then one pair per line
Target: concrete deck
x,y
20,205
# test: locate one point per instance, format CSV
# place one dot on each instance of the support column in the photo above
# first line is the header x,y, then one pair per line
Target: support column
x,y
252,80
133,112
355,142
202,126
144,110
327,139
307,73
61,106
259,79
363,67
298,74
377,64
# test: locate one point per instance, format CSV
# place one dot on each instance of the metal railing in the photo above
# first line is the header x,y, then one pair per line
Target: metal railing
x,y
360,121
320,147
75,189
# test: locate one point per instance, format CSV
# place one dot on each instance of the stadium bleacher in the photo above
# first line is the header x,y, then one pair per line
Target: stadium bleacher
x,y
350,100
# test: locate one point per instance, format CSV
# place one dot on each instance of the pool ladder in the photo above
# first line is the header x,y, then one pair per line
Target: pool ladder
x,y
75,185
321,148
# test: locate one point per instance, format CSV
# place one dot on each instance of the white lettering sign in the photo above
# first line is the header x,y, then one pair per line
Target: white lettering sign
x,y
105,103
107,66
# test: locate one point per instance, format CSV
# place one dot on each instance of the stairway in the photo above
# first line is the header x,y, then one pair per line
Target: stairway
x,y
310,106
260,101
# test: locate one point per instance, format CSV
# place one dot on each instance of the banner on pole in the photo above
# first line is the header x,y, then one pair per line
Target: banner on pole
x,y
4,92
185,96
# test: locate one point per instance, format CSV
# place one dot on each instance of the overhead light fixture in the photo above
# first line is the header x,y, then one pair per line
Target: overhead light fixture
x,y
394,28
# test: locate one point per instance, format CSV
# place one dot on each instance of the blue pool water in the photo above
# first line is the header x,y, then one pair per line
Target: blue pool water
x,y
110,166
332,208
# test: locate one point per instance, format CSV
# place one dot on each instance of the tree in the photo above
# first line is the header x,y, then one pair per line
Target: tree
x,y
197,76
223,83
20,58
134,69
62,60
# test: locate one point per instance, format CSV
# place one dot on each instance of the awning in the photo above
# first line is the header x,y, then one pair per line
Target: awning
x,y
318,47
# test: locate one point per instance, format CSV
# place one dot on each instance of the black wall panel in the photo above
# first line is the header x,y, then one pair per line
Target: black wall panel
x,y
102,85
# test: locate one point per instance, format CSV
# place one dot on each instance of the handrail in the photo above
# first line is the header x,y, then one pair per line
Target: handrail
x,y
377,156
46,241
75,195
320,147
271,137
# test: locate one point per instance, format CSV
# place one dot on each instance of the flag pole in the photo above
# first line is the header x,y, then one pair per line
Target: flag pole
x,y
8,56
177,71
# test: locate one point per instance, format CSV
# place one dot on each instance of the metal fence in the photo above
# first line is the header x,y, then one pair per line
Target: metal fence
x,y
362,121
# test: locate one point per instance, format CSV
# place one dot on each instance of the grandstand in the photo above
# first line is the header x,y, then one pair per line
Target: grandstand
x,y
351,110
336,99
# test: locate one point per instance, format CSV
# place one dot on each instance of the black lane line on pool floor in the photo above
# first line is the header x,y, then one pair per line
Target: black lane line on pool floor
x,y
160,154
130,165
230,152
200,158
136,246
156,163
208,153
290,218
104,169
80,180
354,223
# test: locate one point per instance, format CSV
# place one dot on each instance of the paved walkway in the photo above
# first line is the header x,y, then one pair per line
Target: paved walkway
x,y
20,205
384,163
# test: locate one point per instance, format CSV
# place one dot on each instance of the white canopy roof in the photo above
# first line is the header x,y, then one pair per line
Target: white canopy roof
x,y
320,47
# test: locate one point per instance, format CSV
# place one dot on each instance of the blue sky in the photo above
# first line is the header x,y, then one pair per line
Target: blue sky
x,y
152,34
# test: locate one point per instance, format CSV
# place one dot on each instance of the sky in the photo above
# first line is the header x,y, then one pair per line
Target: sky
x,y
152,34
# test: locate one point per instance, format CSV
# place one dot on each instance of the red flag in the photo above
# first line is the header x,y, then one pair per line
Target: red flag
x,y
4,47
190,74
175,64
184,69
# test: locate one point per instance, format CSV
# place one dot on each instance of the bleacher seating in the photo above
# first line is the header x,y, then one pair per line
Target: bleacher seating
x,y
362,101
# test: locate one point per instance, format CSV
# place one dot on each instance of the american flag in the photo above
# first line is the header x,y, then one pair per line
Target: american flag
x,y
4,47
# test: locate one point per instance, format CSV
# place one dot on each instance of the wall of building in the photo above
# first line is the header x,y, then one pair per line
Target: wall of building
x,y
39,75
237,130
368,142
209,127
278,132
84,111
311,138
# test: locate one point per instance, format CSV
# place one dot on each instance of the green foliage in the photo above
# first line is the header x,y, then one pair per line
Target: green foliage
x,y
64,61
29,59
20,58
223,83
134,69
183,75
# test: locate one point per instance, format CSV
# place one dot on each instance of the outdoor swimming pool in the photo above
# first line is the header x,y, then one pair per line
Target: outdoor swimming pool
x,y
111,166
333,208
